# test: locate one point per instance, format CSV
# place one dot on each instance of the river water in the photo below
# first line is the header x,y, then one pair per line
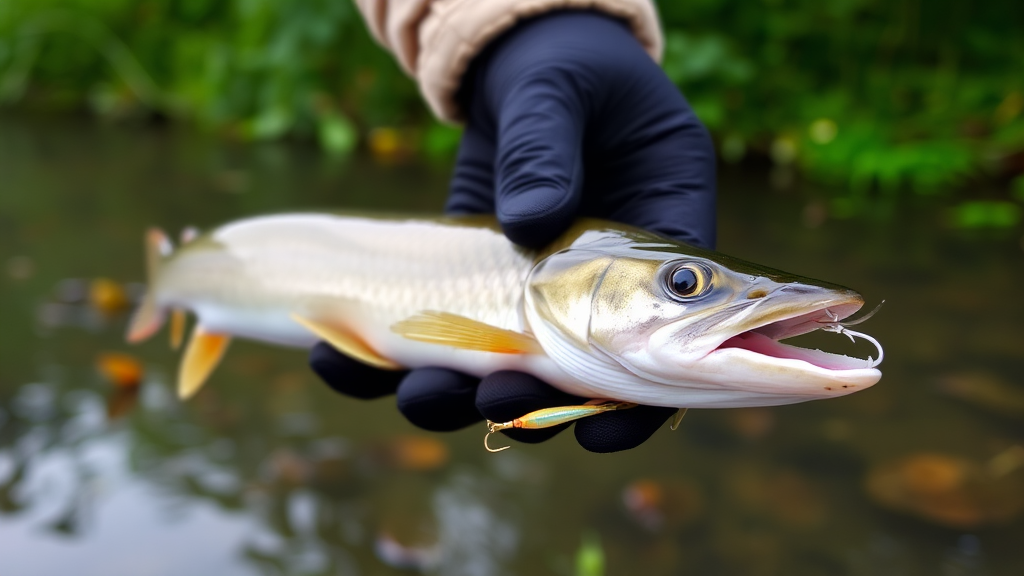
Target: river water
x,y
268,472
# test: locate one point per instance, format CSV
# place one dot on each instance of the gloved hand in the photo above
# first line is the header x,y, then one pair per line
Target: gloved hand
x,y
566,116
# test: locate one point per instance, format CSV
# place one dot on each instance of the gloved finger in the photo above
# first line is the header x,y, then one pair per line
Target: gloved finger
x,y
621,429
438,399
351,377
653,164
668,185
507,395
539,165
472,183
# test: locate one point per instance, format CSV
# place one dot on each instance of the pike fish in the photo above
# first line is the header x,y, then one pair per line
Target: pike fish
x,y
607,311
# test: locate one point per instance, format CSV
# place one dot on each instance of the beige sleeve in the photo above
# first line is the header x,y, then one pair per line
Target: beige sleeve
x,y
435,40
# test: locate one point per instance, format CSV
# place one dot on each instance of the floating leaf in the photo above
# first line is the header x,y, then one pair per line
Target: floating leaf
x,y
948,490
107,296
416,453
121,370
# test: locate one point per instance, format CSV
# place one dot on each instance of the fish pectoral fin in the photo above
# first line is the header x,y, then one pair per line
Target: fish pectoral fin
x,y
204,352
677,418
460,332
177,328
347,343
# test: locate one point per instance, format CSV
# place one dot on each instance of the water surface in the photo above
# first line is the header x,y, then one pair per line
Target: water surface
x,y
268,472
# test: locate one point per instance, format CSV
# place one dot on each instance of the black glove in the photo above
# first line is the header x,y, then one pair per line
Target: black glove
x,y
566,116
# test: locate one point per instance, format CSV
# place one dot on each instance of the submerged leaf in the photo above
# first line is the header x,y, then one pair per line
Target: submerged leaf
x,y
121,370
590,556
107,296
985,214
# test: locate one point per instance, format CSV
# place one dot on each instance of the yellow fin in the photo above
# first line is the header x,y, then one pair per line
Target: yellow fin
x,y
202,355
677,418
177,328
347,343
461,332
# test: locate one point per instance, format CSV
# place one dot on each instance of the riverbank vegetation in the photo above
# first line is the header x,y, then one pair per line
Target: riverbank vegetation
x,y
866,96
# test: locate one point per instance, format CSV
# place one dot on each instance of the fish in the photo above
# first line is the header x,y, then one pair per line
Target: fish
x,y
607,311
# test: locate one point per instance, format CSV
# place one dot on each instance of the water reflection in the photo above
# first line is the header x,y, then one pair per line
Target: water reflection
x,y
267,472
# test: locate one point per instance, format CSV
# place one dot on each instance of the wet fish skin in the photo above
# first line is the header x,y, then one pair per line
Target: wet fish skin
x,y
592,314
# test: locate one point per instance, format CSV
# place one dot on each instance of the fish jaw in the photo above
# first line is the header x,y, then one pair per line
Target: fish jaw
x,y
800,376
745,358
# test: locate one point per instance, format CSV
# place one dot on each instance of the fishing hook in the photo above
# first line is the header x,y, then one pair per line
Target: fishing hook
x,y
493,427
834,325
841,329
834,318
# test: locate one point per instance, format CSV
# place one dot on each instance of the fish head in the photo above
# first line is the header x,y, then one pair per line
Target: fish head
x,y
702,328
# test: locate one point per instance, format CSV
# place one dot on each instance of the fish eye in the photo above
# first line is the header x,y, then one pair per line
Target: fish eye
x,y
689,280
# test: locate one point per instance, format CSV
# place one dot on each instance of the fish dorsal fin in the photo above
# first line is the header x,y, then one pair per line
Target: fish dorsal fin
x,y
204,352
457,331
158,247
177,328
347,343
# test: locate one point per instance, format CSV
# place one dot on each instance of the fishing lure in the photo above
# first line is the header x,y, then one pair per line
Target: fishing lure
x,y
548,417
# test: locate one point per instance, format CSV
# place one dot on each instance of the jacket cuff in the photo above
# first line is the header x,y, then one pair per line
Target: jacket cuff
x,y
452,32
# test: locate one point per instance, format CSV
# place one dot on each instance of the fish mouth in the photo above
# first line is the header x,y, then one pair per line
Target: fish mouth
x,y
763,338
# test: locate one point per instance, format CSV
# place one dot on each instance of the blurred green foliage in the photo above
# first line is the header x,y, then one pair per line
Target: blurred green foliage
x,y
985,214
859,94
871,93
259,69
590,556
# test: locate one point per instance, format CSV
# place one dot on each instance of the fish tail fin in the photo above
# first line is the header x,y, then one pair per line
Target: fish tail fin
x,y
149,317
